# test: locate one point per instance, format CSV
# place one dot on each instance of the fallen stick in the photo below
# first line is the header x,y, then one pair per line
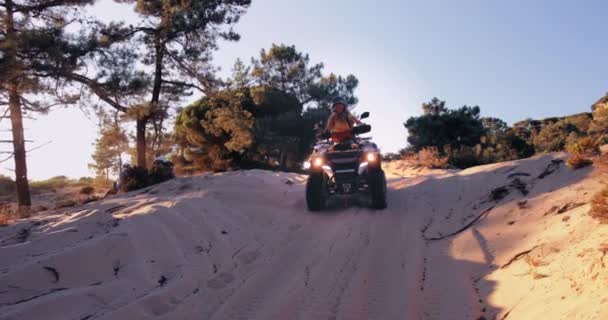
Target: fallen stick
x,y
517,257
468,225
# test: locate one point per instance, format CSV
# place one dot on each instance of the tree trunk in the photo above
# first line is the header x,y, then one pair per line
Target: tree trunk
x,y
119,164
23,187
156,91
141,142
14,102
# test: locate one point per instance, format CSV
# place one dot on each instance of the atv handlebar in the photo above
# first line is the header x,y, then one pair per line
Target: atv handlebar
x,y
361,129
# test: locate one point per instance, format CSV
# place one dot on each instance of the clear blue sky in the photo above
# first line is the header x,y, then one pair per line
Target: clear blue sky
x,y
515,59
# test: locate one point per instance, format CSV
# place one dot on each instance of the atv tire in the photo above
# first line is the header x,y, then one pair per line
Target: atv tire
x,y
315,192
377,189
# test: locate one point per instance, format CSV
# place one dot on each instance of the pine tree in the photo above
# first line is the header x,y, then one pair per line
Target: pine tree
x,y
29,32
109,148
172,42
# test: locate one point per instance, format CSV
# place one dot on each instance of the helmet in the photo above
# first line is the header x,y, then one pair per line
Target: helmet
x,y
337,103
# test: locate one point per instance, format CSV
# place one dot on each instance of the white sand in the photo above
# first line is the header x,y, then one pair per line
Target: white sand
x,y
242,245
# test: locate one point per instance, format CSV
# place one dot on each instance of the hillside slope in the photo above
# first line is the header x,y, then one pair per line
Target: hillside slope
x,y
504,241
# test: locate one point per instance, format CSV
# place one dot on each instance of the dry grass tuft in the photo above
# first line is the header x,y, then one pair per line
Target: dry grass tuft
x,y
4,219
10,212
576,161
582,151
599,202
599,206
430,158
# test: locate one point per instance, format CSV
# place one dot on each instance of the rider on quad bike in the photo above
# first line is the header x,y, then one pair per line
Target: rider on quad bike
x,y
346,164
341,123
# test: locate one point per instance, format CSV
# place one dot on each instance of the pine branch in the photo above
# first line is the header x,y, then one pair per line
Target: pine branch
x,y
183,84
45,5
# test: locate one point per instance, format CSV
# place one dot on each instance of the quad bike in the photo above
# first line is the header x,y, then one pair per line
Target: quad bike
x,y
346,168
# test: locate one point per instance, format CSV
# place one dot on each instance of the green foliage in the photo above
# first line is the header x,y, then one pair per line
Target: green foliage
x,y
161,171
32,34
134,178
439,127
554,136
286,69
465,138
274,106
145,69
109,148
215,130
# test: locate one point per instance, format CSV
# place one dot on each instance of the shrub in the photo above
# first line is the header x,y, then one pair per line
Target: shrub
x,y
134,178
87,190
577,162
553,136
51,184
7,186
409,155
585,146
599,206
161,171
430,158
463,157
581,150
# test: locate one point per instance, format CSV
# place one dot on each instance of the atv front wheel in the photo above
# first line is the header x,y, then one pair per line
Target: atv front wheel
x,y
315,191
377,188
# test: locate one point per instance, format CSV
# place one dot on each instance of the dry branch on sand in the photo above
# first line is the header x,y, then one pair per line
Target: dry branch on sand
x,y
517,257
465,227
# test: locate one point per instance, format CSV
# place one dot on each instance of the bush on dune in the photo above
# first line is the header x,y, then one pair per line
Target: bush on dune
x,y
577,162
581,151
430,158
135,178
51,184
87,190
7,186
599,206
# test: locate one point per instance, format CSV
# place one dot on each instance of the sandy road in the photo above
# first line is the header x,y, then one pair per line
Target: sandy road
x,y
241,245
344,263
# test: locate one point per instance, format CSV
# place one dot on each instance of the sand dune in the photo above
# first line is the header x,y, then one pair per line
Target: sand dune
x,y
504,241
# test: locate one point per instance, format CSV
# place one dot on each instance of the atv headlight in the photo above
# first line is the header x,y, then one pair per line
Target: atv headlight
x,y
371,157
317,162
306,165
